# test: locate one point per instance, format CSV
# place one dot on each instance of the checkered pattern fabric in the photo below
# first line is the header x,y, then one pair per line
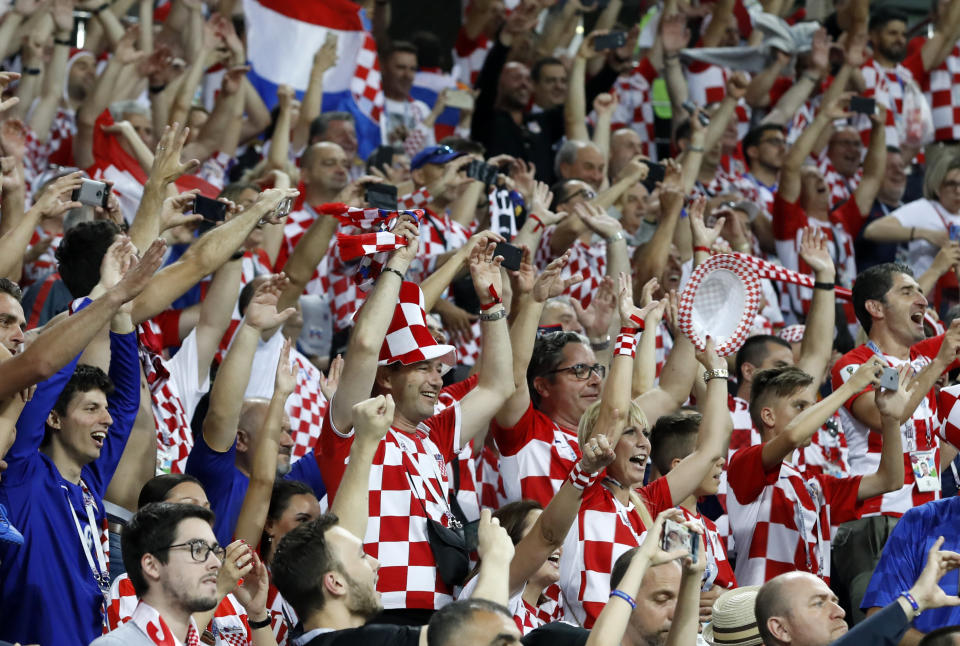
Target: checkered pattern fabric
x,y
723,182
626,345
722,282
781,521
604,530
919,433
489,479
887,87
529,617
588,260
408,340
409,482
365,244
840,186
416,200
635,105
757,192
282,616
708,84
335,279
536,456
719,572
306,406
580,479
949,413
229,624
468,57
367,219
365,85
664,344
942,88
37,154
47,261
792,333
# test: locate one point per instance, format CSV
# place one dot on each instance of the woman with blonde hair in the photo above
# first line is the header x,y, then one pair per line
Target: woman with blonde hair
x,y
617,508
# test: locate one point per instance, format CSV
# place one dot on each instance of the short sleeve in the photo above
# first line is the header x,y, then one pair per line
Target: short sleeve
x,y
444,429
511,439
657,496
746,476
848,215
788,218
333,455
841,495
899,566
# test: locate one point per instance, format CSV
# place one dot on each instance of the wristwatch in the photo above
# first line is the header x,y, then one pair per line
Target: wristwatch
x,y
716,373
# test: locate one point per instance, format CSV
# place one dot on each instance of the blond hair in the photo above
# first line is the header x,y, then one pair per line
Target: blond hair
x,y
635,419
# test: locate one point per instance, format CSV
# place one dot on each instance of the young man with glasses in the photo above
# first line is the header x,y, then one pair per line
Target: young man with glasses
x,y
764,148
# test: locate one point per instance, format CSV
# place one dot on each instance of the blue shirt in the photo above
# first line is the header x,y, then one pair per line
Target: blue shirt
x,y
905,555
225,485
48,594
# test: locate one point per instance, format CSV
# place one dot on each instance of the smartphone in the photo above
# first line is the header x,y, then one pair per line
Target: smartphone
x,y
460,99
92,192
381,159
512,255
691,108
954,232
284,208
482,171
213,212
890,379
676,536
863,105
655,173
381,196
612,40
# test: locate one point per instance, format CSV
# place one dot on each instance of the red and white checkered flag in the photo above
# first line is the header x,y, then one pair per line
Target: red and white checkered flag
x,y
365,244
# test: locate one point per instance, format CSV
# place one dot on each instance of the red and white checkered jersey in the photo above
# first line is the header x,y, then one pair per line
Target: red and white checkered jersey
x,y
942,89
780,520
409,482
919,433
527,616
46,262
229,625
664,344
803,118
468,459
635,105
840,186
949,413
536,456
37,155
588,260
707,84
489,478
886,85
468,57
282,616
744,434
724,181
789,219
604,530
719,572
761,194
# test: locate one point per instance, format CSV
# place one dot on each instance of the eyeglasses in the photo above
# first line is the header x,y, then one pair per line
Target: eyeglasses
x,y
950,184
582,370
588,194
200,551
774,141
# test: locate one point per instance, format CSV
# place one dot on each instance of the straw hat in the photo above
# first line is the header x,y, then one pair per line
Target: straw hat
x,y
734,622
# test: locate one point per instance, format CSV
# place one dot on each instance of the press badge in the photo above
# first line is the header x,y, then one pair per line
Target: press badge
x,y
925,470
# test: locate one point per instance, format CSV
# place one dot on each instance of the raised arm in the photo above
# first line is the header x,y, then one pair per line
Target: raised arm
x,y
720,18
434,285
789,187
892,406
41,118
686,617
736,89
371,419
817,345
575,108
279,154
650,259
496,553
324,59
874,164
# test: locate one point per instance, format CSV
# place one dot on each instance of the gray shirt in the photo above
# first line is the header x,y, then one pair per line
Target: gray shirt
x,y
129,634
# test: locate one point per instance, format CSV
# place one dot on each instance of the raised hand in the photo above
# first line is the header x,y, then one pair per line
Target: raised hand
x,y
550,282
330,381
605,104
372,418
598,221
631,315
650,548
708,357
285,381
116,261
252,593
173,212
597,454
820,52
55,199
269,201
409,231
737,85
595,318
540,205
702,235
262,311
674,34
523,174
285,96
166,159
233,79
13,135
485,270
867,374
814,250
326,56
893,403
237,563
492,539
926,590
62,13
126,50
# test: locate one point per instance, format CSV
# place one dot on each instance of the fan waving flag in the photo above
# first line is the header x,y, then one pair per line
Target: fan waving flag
x,y
275,28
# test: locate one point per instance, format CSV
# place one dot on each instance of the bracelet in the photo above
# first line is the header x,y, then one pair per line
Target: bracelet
x,y
913,603
824,286
32,71
156,89
393,271
580,479
63,41
811,78
616,237
237,255
626,344
716,373
702,248
105,5
620,594
493,316
536,219
597,346
257,625
695,149
636,320
496,299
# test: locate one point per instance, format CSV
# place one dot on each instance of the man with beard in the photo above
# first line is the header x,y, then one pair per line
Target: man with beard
x,y
402,113
764,148
841,166
173,559
224,455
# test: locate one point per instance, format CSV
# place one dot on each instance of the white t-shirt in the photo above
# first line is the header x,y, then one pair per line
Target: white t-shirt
x,y
923,214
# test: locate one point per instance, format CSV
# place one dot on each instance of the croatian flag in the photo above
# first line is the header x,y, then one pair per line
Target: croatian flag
x,y
282,37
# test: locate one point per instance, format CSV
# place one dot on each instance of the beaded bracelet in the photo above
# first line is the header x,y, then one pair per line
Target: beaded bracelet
x,y
581,480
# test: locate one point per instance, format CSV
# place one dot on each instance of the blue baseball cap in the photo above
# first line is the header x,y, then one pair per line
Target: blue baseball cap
x,y
434,155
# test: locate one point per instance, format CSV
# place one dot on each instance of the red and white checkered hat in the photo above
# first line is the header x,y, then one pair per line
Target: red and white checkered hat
x,y
792,333
721,300
408,339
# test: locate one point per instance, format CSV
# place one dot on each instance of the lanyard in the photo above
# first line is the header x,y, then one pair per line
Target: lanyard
x,y
622,511
912,433
98,568
425,480
817,549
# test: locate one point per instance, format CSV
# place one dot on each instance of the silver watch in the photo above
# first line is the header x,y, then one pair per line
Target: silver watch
x,y
716,373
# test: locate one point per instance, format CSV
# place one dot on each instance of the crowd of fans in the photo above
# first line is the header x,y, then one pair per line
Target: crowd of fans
x,y
259,389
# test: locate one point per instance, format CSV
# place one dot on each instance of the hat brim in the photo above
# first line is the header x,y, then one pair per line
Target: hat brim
x,y
438,159
721,300
750,636
446,353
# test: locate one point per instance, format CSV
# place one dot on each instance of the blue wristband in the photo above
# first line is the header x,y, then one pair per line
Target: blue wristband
x,y
626,597
913,602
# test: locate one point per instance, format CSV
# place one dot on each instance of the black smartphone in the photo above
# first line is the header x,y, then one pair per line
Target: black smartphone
x,y
381,196
482,171
512,255
691,108
381,159
655,173
92,192
612,40
213,212
863,105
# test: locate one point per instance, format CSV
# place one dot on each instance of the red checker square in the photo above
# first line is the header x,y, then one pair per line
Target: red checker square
x,y
394,528
597,556
391,577
758,546
420,554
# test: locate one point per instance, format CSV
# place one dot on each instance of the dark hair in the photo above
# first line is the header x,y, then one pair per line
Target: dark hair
x,y
778,382
673,436
246,295
547,355
157,488
300,561
233,190
540,64
684,131
883,15
770,602
463,145
559,191
151,531
80,253
398,46
318,127
620,567
10,288
754,136
446,625
430,52
84,379
513,515
754,351
376,157
872,284
941,636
